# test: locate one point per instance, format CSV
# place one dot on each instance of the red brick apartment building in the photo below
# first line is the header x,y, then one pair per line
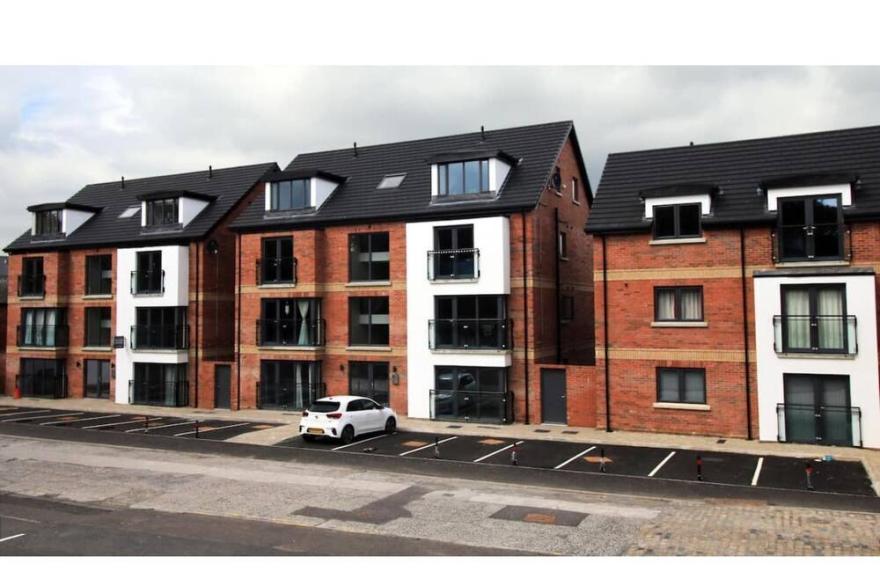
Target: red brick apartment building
x,y
736,289
448,277
125,291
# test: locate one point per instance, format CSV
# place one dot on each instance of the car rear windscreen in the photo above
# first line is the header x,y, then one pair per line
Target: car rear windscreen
x,y
324,406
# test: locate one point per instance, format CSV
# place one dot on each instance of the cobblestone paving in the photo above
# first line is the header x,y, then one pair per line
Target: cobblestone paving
x,y
711,529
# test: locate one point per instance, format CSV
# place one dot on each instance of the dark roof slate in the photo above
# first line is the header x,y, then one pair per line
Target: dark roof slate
x,y
737,170
225,187
358,198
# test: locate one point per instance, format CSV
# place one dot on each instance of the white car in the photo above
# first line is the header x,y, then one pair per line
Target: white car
x,y
345,417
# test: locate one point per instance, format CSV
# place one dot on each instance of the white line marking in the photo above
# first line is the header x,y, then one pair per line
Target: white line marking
x,y
12,537
498,451
369,439
22,519
14,413
430,445
757,471
41,417
152,427
78,420
573,458
212,429
138,421
660,465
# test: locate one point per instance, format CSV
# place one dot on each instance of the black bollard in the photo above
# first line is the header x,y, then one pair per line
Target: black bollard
x,y
436,447
808,469
601,459
146,422
197,429
514,460
699,467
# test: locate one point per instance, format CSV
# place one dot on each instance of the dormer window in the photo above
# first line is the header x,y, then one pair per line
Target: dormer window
x,y
290,195
162,212
810,228
677,221
463,177
47,223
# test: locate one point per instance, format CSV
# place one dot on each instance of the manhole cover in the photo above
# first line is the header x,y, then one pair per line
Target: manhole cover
x,y
597,459
491,442
414,444
262,426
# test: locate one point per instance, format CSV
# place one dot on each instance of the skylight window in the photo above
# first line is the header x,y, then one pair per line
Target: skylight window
x,y
130,212
391,181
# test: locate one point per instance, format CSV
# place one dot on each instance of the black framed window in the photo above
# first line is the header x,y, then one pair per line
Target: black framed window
x,y
160,328
291,322
566,308
810,228
32,281
97,378
681,385
289,384
463,177
469,393
677,221
814,318
43,327
42,377
290,195
47,222
369,321
160,384
148,276
369,379
454,255
470,321
98,327
678,304
368,257
278,264
161,212
99,275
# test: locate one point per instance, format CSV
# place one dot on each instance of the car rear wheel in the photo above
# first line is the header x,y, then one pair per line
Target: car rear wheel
x,y
347,435
390,425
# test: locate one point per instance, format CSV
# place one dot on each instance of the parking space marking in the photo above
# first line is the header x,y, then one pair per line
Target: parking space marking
x,y
135,420
40,417
369,439
158,427
573,458
757,471
498,451
14,413
212,429
430,445
78,420
660,465
11,537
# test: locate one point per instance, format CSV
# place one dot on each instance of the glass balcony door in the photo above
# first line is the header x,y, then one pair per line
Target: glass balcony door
x,y
817,409
810,228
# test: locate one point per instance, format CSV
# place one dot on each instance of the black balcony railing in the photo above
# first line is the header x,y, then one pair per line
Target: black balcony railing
x,y
812,243
31,285
815,334
164,337
289,395
289,332
44,386
164,393
276,271
42,336
461,405
819,424
454,264
469,334
147,282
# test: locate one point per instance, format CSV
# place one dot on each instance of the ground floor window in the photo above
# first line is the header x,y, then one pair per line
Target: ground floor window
x,y
817,410
40,377
97,374
159,384
369,379
681,385
289,384
469,393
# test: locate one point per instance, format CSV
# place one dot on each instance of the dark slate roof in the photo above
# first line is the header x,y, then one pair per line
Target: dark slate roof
x,y
357,199
224,188
736,170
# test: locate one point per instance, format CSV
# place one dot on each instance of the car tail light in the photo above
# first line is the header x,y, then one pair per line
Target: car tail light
x,y
334,415
305,413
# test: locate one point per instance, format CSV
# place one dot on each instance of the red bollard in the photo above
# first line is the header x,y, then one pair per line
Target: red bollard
x,y
699,467
808,469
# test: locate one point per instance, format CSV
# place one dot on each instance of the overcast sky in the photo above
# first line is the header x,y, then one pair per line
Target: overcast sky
x,y
61,128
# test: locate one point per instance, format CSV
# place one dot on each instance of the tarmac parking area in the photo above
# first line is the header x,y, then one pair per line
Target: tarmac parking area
x,y
835,476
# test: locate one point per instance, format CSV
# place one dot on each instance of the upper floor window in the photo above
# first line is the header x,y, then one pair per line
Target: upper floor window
x,y
98,327
810,228
368,257
291,322
575,194
563,245
368,321
47,222
391,181
32,282
677,221
678,304
814,319
161,212
149,278
43,327
469,321
463,177
278,264
454,255
99,275
289,195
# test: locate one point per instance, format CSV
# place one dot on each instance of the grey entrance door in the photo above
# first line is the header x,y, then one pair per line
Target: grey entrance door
x,y
553,404
222,383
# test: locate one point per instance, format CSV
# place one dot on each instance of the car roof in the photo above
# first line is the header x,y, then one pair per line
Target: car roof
x,y
341,398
